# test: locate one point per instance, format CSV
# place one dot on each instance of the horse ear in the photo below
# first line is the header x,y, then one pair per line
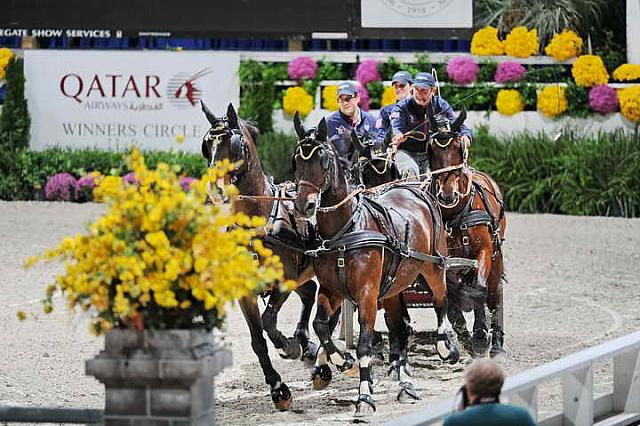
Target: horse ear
x,y
210,117
388,137
232,117
355,140
323,130
297,124
455,127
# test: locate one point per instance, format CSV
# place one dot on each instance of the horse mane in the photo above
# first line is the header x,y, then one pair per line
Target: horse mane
x,y
251,127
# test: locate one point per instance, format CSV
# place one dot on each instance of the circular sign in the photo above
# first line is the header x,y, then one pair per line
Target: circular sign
x,y
417,8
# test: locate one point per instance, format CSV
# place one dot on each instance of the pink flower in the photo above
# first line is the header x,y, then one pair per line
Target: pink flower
x,y
603,99
364,98
130,178
302,67
367,72
509,71
61,187
463,70
185,182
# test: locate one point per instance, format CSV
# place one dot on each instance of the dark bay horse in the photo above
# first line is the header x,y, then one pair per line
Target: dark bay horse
x,y
473,210
234,139
369,250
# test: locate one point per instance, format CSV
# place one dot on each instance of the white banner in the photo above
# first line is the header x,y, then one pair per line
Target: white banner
x,y
417,13
112,100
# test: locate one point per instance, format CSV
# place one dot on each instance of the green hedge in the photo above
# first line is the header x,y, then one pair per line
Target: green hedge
x,y
592,176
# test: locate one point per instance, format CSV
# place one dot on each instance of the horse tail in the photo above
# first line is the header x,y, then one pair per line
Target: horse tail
x,y
465,297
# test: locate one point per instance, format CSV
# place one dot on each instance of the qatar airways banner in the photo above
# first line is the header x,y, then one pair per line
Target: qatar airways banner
x,y
112,100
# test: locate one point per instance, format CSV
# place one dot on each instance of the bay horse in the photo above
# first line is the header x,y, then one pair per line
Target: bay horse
x,y
473,210
234,139
369,249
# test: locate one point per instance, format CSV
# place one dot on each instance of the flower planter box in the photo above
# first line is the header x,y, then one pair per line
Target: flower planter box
x,y
162,377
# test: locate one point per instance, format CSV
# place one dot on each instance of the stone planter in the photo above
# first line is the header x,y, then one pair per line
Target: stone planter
x,y
161,377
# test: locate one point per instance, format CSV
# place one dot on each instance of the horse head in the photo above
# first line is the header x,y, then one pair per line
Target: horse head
x,y
373,167
447,149
314,164
228,138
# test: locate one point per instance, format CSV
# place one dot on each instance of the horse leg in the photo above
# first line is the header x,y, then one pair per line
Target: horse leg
x,y
287,348
496,307
280,393
307,293
367,311
400,369
454,312
435,276
323,324
481,339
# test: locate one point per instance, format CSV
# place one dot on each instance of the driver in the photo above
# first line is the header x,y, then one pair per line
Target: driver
x,y
410,125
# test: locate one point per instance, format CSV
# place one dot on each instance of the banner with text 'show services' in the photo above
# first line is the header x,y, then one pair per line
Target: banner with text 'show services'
x,y
112,100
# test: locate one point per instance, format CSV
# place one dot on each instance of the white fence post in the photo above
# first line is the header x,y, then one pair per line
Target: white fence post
x,y
626,382
577,397
527,399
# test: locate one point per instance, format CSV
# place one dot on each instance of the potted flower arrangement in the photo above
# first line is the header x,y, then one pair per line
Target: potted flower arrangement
x,y
155,273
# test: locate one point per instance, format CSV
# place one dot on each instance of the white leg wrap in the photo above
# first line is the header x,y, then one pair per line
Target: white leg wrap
x,y
321,357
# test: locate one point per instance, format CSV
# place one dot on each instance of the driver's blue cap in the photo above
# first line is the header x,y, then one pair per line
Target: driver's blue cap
x,y
424,80
402,77
347,88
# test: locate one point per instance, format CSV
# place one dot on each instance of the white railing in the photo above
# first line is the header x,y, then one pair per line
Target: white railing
x,y
621,407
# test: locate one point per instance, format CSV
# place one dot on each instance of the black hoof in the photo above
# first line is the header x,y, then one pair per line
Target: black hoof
x,y
454,356
464,338
321,377
407,393
281,397
480,343
293,350
349,362
498,353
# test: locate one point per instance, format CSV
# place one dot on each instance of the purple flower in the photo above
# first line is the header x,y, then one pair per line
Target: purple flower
x,y
509,71
367,72
603,99
130,178
462,70
185,182
61,187
302,67
85,187
364,98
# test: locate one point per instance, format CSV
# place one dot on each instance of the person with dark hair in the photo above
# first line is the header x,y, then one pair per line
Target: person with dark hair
x,y
480,399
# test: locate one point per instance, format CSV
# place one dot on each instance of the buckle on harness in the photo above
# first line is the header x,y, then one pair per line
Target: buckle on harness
x,y
341,251
465,240
341,262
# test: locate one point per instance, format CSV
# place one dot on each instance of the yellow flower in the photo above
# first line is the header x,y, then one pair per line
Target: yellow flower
x,y
589,70
509,102
388,96
521,43
330,98
297,99
157,248
552,100
629,99
486,42
108,187
180,138
21,315
563,46
627,72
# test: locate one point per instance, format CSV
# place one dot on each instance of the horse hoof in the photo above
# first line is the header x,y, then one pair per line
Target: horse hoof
x,y
465,341
350,366
498,353
407,394
365,406
281,397
321,377
309,353
480,343
454,355
293,350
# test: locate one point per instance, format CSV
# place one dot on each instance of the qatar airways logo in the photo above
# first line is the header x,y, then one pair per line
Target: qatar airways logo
x,y
132,92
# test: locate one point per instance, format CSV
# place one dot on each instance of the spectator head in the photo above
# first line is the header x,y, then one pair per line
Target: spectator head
x,y
483,379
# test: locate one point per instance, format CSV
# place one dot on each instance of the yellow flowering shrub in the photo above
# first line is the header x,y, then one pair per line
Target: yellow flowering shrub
x,y
589,70
159,257
330,98
297,99
629,99
627,72
5,57
486,42
388,96
509,102
521,43
565,45
552,100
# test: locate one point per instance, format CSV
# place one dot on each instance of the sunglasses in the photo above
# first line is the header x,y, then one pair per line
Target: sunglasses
x,y
345,98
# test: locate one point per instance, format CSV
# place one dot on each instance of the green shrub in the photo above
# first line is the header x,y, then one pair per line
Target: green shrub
x,y
275,151
14,120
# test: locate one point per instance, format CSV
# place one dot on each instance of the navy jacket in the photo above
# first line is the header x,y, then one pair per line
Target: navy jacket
x,y
491,415
340,131
383,123
408,115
